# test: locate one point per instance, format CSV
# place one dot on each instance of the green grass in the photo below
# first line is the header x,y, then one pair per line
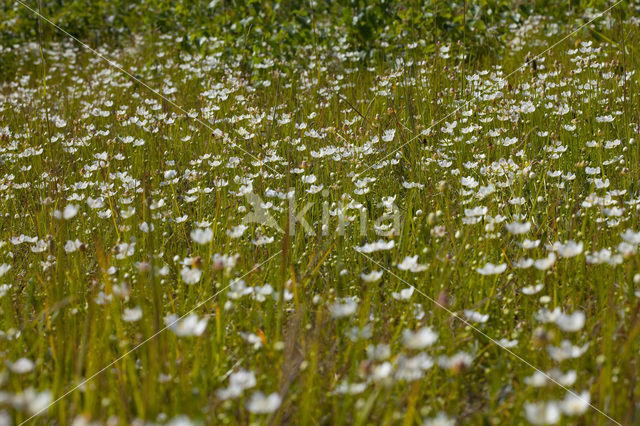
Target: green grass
x,y
67,312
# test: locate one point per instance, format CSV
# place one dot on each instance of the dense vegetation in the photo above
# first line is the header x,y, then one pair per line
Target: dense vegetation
x,y
339,212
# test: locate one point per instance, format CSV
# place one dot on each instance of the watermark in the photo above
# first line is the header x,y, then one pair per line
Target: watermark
x,y
383,218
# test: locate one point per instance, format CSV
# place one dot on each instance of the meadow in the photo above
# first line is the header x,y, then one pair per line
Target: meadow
x,y
423,214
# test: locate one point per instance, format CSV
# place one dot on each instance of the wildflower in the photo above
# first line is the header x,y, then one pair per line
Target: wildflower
x,y
389,135
475,316
382,371
517,228
70,211
237,231
568,249
146,227
491,269
32,401
420,339
71,246
238,383
410,263
261,404
187,326
4,268
190,275
524,263
469,182
631,237
202,236
412,368
529,290
440,420
456,363
573,322
371,277
343,310
506,343
21,366
575,405
346,388
132,314
378,352
253,339
542,413
545,263
262,240
181,420
566,351
376,246
405,294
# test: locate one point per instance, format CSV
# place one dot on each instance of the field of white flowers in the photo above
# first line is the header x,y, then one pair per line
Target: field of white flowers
x,y
427,236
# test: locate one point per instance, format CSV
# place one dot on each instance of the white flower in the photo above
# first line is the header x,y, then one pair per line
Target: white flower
x,y
524,263
506,343
440,420
378,352
544,315
33,401
39,246
314,189
532,289
491,269
469,182
146,227
405,294
70,211
382,371
4,289
71,246
572,322
21,366
420,339
309,179
202,236
410,369
4,268
132,314
190,275
476,316
188,326
575,405
539,379
389,135
517,228
546,262
371,277
261,404
542,413
528,244
262,240
343,310
181,420
346,388
252,339
566,351
410,263
237,231
631,237
458,361
568,249
376,246
238,383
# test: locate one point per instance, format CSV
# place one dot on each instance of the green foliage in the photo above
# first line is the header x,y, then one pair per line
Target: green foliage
x,y
282,26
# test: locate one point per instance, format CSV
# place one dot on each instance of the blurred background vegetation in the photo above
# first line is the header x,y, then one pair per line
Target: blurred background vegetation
x,y
280,27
